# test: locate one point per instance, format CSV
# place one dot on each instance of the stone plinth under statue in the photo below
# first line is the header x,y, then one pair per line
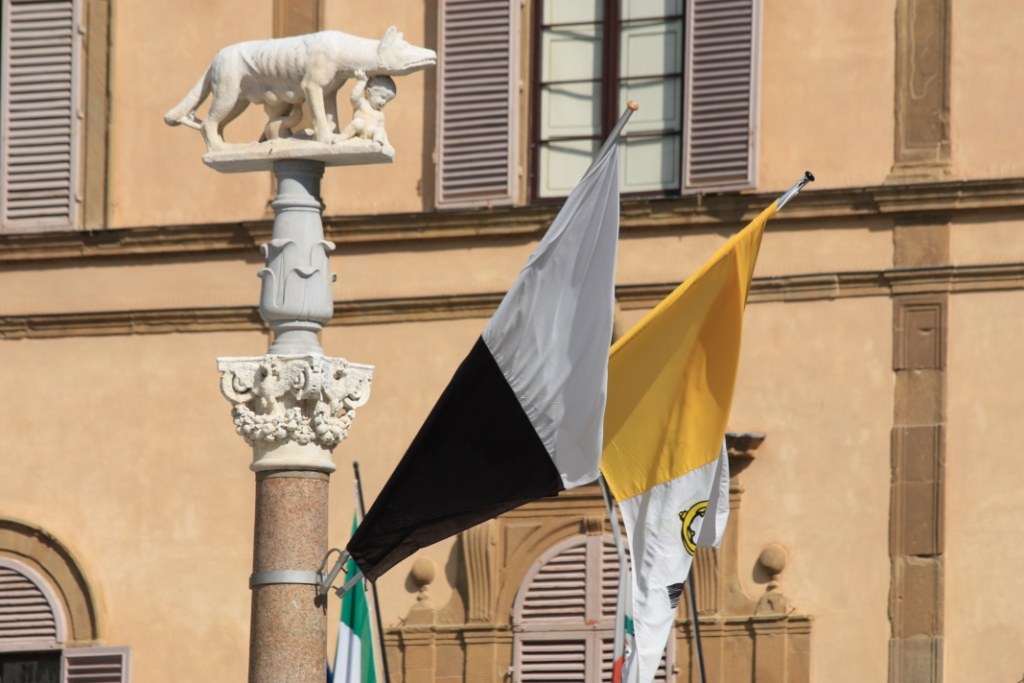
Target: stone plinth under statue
x,y
262,157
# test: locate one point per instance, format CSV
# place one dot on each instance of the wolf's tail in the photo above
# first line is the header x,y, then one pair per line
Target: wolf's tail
x,y
185,111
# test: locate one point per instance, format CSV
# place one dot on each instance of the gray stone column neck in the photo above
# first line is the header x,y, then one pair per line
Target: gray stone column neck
x,y
297,298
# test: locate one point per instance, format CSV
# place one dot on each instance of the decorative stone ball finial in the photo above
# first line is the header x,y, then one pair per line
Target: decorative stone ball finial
x,y
422,574
773,560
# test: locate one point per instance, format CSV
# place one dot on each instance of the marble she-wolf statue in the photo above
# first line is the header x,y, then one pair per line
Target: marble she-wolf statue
x,y
283,73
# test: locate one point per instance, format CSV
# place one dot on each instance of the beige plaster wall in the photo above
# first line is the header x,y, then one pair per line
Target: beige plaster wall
x,y
130,284
123,448
436,268
987,91
397,187
161,48
816,378
980,240
827,92
984,479
787,249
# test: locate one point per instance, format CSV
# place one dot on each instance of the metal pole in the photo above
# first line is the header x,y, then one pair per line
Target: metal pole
x,y
376,601
631,107
619,642
792,192
691,598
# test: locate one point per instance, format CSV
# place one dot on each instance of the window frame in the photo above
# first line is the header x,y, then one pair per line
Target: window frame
x,y
610,84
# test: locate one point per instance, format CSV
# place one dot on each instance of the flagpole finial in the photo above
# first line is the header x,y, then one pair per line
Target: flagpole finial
x,y
613,137
792,192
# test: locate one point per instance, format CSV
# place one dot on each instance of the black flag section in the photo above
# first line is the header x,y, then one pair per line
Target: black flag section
x,y
475,457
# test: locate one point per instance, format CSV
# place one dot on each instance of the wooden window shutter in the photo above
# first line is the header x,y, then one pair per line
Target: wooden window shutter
x,y
96,665
39,114
476,161
542,660
559,589
720,104
665,666
30,613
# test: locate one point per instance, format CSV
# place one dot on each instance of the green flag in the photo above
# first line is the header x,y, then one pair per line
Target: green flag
x,y
353,660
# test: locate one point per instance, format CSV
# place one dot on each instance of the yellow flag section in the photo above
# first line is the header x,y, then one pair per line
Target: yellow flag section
x,y
671,377
670,386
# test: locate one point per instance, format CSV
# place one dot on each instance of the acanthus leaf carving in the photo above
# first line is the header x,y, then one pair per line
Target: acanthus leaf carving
x,y
305,399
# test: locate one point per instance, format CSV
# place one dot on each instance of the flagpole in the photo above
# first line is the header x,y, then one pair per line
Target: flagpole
x,y
631,107
691,598
793,191
376,601
619,641
349,585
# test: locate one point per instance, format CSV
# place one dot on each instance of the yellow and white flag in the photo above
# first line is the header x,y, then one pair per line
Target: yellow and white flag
x,y
670,387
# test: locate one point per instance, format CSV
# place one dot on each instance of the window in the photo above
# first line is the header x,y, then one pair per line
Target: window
x,y
592,57
30,667
33,629
691,64
40,114
563,618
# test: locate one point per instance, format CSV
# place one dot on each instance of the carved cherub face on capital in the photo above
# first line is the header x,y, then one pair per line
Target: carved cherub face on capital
x,y
380,90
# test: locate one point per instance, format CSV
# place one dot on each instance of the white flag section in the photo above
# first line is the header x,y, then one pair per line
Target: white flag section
x,y
698,503
348,657
550,335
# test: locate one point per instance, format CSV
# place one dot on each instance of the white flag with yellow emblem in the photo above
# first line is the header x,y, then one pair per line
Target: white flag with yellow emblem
x,y
670,387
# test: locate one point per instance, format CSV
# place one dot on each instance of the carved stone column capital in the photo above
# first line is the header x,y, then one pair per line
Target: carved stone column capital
x,y
294,409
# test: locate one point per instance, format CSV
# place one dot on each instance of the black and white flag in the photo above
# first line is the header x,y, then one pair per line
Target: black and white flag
x,y
523,416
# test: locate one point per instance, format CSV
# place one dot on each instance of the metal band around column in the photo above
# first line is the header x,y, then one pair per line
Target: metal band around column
x,y
285,576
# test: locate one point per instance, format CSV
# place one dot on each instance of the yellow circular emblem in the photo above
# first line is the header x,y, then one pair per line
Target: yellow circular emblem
x,y
687,516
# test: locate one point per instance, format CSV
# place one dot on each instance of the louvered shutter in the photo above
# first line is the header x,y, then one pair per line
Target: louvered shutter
x,y
476,162
559,590
609,578
721,101
30,616
564,616
662,675
39,114
542,660
96,665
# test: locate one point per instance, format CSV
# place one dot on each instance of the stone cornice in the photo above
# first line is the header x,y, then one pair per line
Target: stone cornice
x,y
792,288
727,210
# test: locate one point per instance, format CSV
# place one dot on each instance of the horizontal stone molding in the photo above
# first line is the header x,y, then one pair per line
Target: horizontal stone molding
x,y
722,210
812,287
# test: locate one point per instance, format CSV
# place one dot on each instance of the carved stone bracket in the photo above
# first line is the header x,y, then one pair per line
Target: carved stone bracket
x,y
480,548
294,409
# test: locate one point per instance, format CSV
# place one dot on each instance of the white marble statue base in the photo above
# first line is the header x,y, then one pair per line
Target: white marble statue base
x,y
260,156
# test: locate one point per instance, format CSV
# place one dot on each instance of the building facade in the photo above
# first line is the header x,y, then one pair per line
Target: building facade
x,y
875,483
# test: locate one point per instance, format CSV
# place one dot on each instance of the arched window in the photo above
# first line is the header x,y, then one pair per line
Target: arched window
x,y
31,616
563,617
34,635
